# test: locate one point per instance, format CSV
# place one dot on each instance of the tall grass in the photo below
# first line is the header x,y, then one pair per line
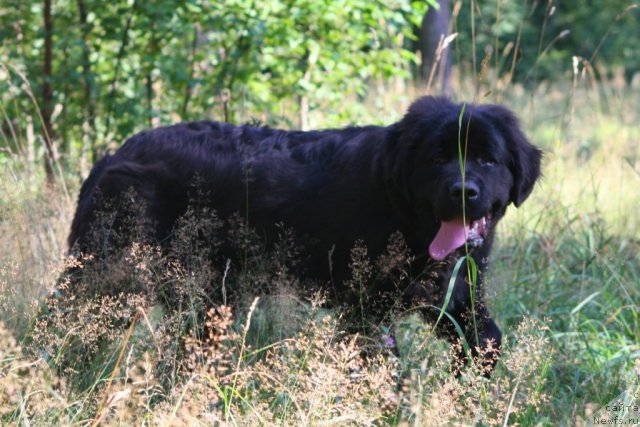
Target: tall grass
x,y
564,287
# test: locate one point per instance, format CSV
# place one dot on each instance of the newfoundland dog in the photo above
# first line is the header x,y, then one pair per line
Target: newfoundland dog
x,y
441,177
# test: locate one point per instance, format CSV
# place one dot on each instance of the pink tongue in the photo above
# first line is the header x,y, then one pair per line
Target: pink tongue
x,y
451,236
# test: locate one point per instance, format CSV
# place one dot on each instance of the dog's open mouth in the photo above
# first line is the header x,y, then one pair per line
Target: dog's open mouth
x,y
453,234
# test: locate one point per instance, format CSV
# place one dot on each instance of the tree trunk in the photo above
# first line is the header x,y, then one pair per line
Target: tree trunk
x,y
89,125
198,39
435,68
111,99
47,92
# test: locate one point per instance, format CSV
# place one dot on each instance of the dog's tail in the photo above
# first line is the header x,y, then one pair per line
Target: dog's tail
x,y
85,199
89,185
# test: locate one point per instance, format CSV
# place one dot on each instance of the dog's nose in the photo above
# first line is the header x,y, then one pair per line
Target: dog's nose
x,y
471,191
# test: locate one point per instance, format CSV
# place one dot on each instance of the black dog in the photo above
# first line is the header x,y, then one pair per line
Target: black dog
x,y
442,177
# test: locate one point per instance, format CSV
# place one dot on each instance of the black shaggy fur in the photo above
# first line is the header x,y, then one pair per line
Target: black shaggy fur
x,y
338,187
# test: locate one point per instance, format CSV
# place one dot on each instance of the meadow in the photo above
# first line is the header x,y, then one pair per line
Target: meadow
x,y
564,286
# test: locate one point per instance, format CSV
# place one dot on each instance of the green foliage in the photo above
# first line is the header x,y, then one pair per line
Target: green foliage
x,y
601,31
128,64
125,65
545,36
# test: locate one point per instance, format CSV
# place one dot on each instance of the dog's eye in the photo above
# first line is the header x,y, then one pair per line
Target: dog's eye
x,y
486,162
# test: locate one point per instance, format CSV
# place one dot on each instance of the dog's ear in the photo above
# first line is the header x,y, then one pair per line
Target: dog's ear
x,y
525,158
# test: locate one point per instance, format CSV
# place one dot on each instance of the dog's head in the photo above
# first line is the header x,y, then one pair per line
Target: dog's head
x,y
461,166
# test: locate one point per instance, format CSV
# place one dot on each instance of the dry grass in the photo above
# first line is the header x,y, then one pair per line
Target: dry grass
x,y
146,338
